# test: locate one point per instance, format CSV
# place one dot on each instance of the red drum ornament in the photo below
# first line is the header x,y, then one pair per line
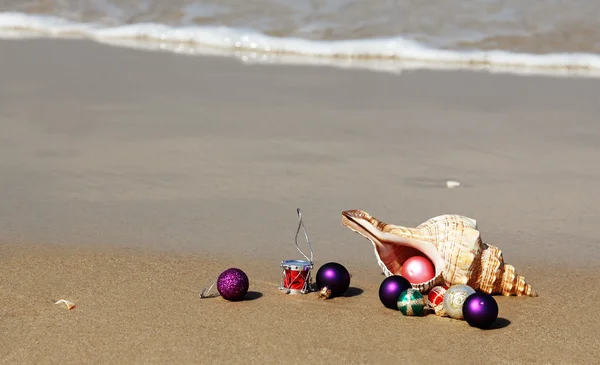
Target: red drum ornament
x,y
296,276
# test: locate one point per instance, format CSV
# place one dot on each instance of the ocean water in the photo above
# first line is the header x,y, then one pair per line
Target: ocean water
x,y
539,36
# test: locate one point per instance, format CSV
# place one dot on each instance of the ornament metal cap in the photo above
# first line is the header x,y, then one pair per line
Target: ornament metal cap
x,y
325,293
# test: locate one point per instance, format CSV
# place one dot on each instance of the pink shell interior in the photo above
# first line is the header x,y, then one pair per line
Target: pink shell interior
x,y
394,250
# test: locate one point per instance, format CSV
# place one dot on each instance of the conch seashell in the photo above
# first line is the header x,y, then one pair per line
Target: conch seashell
x,y
452,242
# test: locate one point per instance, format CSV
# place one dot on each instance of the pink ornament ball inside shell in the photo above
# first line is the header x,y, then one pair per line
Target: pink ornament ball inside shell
x,y
233,284
418,269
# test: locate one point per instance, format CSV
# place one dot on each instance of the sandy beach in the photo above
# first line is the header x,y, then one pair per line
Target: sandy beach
x,y
130,180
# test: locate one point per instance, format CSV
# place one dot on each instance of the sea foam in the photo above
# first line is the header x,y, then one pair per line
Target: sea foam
x,y
383,54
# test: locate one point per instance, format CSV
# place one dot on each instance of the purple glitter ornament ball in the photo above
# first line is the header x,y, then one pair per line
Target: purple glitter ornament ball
x,y
390,290
480,310
334,277
233,284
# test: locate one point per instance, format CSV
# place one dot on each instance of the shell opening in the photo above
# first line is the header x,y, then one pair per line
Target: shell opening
x,y
392,249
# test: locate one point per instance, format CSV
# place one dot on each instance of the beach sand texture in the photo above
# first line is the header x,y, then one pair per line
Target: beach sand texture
x,y
129,180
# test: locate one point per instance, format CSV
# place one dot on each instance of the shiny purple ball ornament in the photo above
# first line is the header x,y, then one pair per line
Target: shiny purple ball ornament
x,y
332,279
390,290
480,310
233,284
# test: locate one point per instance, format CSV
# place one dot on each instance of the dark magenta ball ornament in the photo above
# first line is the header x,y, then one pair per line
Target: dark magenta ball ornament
x,y
480,310
233,284
390,290
332,279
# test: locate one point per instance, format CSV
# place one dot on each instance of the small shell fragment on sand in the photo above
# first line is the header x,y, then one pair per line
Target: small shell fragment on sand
x,y
70,305
452,184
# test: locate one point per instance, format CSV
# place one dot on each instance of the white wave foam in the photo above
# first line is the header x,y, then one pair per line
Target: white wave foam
x,y
394,54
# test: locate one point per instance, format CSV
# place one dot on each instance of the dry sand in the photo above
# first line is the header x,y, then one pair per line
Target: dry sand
x,y
131,179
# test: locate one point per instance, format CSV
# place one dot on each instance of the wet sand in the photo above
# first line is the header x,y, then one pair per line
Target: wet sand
x,y
130,180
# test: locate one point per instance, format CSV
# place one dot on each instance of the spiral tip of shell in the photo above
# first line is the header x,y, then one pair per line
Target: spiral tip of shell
x,y
532,293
